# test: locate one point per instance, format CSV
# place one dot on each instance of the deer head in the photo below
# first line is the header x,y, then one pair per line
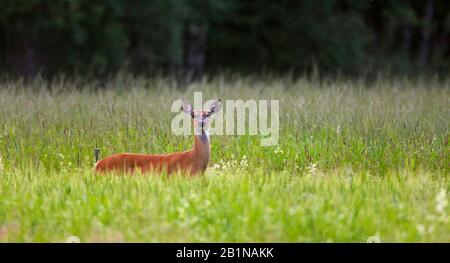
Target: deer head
x,y
201,119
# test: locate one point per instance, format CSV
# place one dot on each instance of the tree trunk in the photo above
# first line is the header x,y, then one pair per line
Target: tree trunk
x,y
407,34
21,57
426,34
195,50
176,50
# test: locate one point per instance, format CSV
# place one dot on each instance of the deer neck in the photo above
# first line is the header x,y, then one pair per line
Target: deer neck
x,y
202,149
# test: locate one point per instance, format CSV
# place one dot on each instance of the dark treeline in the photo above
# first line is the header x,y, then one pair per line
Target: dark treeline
x,y
190,37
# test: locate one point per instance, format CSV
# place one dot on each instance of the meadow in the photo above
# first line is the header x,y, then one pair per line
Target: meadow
x,y
356,161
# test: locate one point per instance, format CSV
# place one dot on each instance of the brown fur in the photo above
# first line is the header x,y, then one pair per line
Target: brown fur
x,y
194,161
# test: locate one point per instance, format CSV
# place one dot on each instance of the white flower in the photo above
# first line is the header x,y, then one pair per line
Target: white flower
x,y
441,201
374,239
73,239
312,169
243,163
232,164
278,150
2,167
421,229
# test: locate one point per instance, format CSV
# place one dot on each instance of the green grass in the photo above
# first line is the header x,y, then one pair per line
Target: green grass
x,y
354,160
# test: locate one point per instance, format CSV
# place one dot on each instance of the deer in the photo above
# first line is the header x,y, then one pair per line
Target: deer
x,y
193,161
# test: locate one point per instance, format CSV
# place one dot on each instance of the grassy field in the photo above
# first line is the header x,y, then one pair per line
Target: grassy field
x,y
356,162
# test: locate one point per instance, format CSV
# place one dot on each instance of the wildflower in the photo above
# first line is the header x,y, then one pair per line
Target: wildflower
x,y
373,239
2,167
441,201
421,229
73,239
278,150
312,169
243,163
232,165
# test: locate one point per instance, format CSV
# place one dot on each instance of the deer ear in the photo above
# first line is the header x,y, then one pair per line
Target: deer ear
x,y
215,106
186,107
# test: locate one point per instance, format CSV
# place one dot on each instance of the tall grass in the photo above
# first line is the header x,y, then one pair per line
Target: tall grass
x,y
354,160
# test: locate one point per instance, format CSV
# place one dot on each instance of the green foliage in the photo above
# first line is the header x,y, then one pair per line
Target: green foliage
x,y
81,36
354,160
285,35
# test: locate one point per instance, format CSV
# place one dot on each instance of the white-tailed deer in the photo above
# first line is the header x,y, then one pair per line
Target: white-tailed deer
x,y
194,161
